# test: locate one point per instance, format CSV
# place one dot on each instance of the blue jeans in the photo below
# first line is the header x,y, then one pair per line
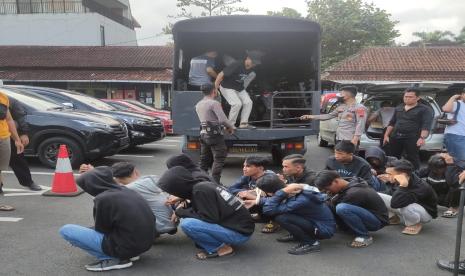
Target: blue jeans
x,y
303,230
378,185
358,219
455,145
211,236
85,238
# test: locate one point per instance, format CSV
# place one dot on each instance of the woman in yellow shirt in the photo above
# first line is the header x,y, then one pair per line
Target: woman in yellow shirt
x,y
7,129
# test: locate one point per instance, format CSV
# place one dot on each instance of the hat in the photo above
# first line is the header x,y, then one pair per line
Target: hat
x,y
255,56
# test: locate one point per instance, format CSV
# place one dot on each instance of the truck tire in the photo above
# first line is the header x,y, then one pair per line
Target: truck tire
x,y
48,151
321,142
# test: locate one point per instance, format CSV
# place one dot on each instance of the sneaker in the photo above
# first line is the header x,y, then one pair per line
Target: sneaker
x,y
134,259
449,265
107,265
34,187
305,248
287,238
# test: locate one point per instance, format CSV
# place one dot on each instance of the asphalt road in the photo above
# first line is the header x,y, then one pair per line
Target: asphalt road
x,y
32,245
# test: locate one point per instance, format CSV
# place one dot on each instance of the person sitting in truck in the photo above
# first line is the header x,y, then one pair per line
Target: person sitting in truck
x,y
202,70
233,82
294,170
349,165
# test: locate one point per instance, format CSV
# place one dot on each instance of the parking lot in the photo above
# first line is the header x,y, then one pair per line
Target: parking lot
x,y
30,243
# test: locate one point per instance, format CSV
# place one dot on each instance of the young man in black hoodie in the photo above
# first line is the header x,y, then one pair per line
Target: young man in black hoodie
x,y
378,160
295,171
214,220
348,165
357,206
124,223
414,202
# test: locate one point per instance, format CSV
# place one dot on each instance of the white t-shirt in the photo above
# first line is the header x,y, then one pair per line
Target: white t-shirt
x,y
459,127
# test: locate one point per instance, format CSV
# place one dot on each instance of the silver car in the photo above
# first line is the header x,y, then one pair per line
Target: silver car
x,y
376,94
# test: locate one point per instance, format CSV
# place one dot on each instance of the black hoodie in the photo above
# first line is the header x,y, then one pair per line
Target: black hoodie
x,y
378,153
307,177
358,167
418,192
359,193
122,215
185,161
209,202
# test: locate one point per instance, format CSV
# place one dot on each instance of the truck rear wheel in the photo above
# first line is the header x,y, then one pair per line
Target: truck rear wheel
x,y
48,151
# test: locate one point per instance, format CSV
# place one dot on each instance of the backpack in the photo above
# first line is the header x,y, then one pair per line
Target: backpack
x,y
450,122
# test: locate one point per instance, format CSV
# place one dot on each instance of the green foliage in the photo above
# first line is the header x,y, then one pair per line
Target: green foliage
x,y
435,36
348,26
206,8
287,12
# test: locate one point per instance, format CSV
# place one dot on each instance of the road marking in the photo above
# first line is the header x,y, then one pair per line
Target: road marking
x,y
130,155
24,192
36,173
162,145
10,219
171,140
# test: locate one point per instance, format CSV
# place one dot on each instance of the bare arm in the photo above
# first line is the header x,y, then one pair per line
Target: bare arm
x,y
221,116
449,106
14,133
211,72
219,79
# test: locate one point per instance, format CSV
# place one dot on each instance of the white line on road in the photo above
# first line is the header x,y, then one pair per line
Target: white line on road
x,y
171,140
10,219
162,145
24,194
36,173
131,155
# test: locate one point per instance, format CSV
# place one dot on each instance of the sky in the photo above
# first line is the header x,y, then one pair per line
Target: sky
x,y
413,15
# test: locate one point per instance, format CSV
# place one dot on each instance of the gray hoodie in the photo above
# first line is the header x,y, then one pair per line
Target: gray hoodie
x,y
147,187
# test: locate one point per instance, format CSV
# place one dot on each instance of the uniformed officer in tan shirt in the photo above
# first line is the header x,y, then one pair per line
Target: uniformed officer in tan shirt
x,y
351,116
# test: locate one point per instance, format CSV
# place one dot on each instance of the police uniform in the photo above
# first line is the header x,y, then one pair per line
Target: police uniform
x,y
213,150
351,120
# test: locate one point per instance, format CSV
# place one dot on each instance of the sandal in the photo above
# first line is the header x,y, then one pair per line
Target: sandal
x,y
361,242
449,214
412,230
202,255
6,208
271,227
395,220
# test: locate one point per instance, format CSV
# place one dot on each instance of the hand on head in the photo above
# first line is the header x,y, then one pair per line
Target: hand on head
x,y
85,168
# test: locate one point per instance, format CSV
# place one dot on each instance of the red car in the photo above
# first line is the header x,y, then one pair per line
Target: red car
x,y
138,107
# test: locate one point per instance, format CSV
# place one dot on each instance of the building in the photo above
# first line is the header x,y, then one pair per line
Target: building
x,y
143,73
67,23
387,64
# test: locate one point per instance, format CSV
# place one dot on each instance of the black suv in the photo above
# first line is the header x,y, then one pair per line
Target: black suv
x,y
86,136
142,129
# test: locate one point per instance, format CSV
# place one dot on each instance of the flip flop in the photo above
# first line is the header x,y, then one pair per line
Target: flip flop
x,y
212,255
271,227
360,242
411,230
449,214
6,208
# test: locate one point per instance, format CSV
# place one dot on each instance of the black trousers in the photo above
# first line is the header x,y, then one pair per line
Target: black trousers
x,y
213,153
397,146
303,230
20,166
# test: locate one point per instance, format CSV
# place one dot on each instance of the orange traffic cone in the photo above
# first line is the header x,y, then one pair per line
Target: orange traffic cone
x,y
63,181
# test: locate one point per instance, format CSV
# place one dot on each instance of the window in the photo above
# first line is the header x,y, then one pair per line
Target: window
x,y
102,35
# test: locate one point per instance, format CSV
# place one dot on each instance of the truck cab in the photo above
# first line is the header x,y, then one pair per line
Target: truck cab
x,y
286,86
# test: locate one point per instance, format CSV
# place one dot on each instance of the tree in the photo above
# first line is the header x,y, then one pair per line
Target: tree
x,y
287,12
435,36
350,25
460,38
205,8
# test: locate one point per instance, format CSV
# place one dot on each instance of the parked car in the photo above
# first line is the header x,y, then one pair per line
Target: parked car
x,y
373,96
142,129
132,106
86,136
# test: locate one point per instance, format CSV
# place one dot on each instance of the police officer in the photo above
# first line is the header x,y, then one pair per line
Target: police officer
x,y
213,150
351,116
